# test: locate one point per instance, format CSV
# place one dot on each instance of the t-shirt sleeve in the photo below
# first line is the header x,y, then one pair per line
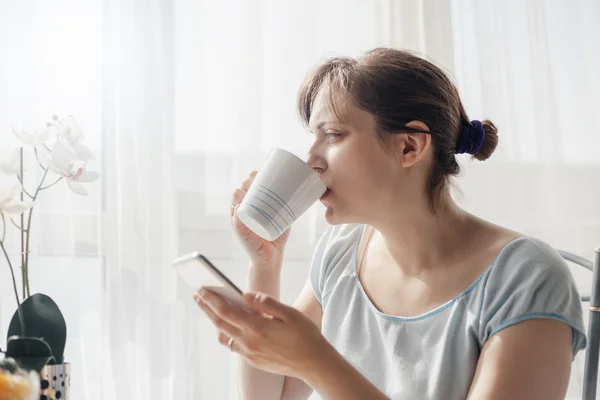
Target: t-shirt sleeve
x,y
530,280
318,266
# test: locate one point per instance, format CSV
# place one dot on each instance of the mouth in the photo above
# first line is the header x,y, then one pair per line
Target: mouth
x,y
325,194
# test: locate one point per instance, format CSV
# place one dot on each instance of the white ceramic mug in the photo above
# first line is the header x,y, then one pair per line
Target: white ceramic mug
x,y
281,192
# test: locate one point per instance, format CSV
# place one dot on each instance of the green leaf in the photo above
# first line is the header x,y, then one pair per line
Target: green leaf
x,y
43,320
30,353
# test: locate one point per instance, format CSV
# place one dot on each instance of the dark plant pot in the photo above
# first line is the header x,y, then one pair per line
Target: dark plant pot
x,y
56,382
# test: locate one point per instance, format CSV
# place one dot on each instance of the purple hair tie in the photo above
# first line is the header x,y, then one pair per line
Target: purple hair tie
x,y
470,138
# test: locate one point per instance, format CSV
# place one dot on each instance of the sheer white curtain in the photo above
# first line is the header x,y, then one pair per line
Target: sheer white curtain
x,y
180,99
144,322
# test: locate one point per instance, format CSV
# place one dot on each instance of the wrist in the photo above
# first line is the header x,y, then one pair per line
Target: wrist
x,y
265,278
269,266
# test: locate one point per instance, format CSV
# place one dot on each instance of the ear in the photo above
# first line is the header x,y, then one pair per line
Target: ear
x,y
412,147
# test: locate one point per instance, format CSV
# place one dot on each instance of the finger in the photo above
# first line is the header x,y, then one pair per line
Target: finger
x,y
237,223
246,183
221,324
234,315
266,304
237,345
224,339
238,196
236,199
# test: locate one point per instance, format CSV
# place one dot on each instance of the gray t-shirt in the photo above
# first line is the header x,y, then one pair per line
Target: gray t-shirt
x,y
434,355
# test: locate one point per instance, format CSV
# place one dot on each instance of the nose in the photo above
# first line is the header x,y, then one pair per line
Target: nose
x,y
315,159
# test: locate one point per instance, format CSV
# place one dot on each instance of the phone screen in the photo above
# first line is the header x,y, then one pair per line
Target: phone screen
x,y
198,272
221,276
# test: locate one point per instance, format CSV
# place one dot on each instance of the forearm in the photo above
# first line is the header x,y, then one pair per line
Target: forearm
x,y
255,383
335,378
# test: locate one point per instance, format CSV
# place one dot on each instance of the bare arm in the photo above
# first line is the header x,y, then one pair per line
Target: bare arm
x,y
529,360
254,383
258,384
294,388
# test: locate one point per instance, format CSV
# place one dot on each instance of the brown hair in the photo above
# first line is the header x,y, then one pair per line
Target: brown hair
x,y
397,87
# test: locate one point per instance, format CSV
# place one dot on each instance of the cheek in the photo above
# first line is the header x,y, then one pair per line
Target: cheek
x,y
360,175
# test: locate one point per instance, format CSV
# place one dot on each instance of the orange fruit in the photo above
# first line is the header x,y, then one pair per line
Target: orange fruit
x,y
16,386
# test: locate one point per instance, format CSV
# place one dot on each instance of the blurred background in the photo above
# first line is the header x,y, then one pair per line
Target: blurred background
x,y
180,99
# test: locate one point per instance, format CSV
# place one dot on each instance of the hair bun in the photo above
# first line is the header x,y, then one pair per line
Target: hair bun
x,y
490,141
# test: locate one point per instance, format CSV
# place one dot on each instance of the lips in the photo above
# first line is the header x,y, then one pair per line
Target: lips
x,y
325,194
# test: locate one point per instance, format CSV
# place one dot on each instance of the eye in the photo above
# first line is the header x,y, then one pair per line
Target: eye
x,y
333,135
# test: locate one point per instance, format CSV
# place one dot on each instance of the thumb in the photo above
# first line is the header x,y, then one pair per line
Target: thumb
x,y
264,303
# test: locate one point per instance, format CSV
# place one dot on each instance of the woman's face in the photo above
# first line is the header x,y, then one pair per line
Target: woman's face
x,y
363,179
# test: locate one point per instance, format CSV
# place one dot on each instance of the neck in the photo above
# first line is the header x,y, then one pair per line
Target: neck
x,y
417,240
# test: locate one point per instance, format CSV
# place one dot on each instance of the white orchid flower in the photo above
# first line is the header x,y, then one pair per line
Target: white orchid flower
x,y
70,130
10,204
66,162
35,138
10,164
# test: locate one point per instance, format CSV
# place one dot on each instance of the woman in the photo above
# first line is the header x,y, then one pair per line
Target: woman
x,y
409,296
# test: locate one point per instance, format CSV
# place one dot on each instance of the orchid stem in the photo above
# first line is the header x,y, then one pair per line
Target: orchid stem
x,y
14,281
22,174
38,158
26,265
52,184
23,187
17,226
3,226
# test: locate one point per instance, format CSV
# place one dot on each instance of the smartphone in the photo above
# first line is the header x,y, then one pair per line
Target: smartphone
x,y
198,272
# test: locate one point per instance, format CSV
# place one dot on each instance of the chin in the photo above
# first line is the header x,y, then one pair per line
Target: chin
x,y
334,218
329,216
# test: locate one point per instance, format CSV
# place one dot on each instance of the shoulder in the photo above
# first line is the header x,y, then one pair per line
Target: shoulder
x,y
527,258
334,253
529,279
336,241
